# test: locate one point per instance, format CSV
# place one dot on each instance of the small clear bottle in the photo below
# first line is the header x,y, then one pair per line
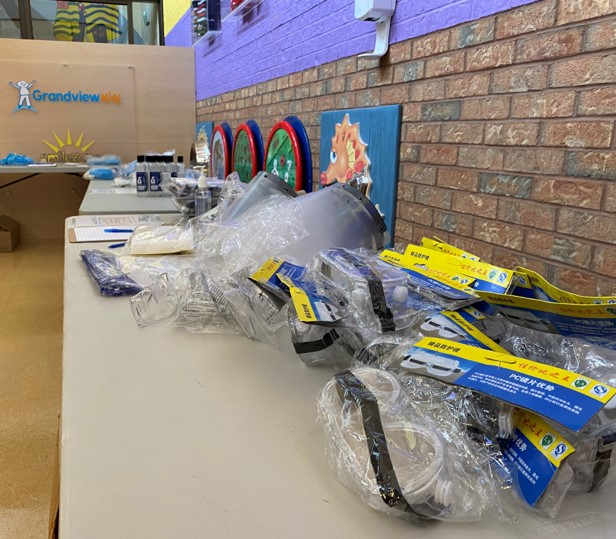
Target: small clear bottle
x,y
180,167
141,173
203,196
155,169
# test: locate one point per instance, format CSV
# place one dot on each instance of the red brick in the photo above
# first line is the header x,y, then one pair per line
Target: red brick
x,y
583,70
550,45
468,85
421,132
466,133
580,193
527,213
478,248
598,165
512,133
431,44
398,52
580,10
536,16
578,134
398,93
503,234
543,104
404,231
434,197
346,100
581,282
486,108
488,158
411,112
610,198
458,178
408,72
453,222
368,98
428,90
558,248
605,262
510,185
418,174
597,102
489,56
519,79
600,36
439,155
474,204
584,224
445,65
409,152
440,112
346,66
356,81
472,34
541,161
415,213
406,191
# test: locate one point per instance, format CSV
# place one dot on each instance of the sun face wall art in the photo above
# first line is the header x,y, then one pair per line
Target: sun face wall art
x,y
361,147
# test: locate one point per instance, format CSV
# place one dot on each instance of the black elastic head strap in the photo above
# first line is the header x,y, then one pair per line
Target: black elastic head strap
x,y
351,388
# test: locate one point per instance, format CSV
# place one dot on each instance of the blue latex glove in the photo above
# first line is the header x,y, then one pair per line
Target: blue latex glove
x,y
13,160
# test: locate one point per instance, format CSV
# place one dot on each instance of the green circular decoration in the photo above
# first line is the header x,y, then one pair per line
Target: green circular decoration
x,y
243,157
283,157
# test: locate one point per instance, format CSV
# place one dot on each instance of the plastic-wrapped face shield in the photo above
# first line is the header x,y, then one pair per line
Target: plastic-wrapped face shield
x,y
338,216
262,186
398,467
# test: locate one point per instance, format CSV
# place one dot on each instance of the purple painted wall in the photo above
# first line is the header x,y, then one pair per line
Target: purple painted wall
x,y
286,36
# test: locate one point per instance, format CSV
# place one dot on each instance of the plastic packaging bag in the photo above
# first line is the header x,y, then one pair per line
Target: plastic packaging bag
x,y
105,270
392,453
161,239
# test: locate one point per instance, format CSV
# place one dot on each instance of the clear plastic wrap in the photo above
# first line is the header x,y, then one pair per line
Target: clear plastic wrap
x,y
105,270
260,233
391,451
161,239
591,462
377,293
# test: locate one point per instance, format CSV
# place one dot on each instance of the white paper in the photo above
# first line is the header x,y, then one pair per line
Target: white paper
x,y
128,220
97,233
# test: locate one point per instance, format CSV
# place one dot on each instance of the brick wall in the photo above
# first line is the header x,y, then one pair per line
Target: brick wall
x,y
508,146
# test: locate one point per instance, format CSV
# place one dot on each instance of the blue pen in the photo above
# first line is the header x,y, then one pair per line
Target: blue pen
x,y
118,230
116,245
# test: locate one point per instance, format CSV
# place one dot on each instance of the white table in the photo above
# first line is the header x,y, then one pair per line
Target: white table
x,y
30,171
104,203
168,434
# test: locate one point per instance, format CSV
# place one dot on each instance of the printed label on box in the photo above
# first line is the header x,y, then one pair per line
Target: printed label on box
x,y
563,396
535,452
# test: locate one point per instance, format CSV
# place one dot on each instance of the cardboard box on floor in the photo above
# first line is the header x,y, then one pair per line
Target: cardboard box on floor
x,y
9,234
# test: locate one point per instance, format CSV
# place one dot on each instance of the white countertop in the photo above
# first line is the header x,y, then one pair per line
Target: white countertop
x,y
97,203
41,169
168,434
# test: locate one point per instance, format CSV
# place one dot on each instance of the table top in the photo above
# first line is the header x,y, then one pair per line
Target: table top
x,y
171,434
41,169
97,203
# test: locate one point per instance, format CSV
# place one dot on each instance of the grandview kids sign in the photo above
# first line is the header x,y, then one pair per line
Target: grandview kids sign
x,y
27,96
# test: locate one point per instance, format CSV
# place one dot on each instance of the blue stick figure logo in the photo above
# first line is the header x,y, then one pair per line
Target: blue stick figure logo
x,y
23,88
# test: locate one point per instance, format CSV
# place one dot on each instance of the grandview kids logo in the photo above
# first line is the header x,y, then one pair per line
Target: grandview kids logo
x,y
26,96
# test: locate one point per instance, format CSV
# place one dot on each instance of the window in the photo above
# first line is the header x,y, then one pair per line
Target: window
x,y
9,19
107,21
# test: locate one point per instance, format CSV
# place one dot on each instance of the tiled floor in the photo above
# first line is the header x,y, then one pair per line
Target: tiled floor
x,y
30,384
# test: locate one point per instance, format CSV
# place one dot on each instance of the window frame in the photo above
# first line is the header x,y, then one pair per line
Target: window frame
x,y
25,17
